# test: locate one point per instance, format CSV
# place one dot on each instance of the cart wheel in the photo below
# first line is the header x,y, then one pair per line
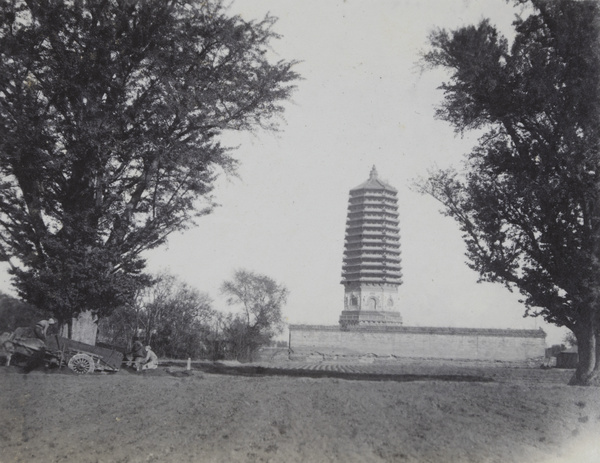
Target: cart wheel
x,y
81,364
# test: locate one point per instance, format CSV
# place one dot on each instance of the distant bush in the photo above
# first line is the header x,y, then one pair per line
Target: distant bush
x,y
15,313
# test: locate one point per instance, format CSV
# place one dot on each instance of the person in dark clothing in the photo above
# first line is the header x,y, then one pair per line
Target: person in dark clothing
x,y
40,329
138,353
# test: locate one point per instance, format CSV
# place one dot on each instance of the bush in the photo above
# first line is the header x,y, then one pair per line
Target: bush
x,y
15,313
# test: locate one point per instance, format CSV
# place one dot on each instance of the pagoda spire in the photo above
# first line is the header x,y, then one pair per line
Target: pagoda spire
x,y
373,175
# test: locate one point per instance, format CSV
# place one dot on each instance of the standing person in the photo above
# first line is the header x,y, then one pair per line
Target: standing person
x,y
37,357
151,360
40,329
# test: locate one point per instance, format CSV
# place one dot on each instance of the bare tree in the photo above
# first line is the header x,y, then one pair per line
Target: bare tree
x,y
170,315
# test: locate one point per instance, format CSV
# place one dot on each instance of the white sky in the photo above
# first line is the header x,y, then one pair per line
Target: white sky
x,y
363,102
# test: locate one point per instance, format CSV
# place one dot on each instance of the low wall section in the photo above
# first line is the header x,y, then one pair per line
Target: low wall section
x,y
419,342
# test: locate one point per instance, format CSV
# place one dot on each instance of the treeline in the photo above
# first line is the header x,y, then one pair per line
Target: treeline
x,y
179,321
15,313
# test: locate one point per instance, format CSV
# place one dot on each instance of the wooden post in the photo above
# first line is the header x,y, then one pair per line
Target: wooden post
x,y
62,352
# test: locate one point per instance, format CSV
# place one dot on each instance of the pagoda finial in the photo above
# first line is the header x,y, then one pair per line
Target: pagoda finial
x,y
373,173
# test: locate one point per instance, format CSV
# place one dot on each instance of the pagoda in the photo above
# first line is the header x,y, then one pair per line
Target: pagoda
x,y
371,271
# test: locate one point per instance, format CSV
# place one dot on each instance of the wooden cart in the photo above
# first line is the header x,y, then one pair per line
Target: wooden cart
x,y
83,358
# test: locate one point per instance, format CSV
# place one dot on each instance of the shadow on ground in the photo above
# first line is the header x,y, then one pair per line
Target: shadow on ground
x,y
260,371
178,368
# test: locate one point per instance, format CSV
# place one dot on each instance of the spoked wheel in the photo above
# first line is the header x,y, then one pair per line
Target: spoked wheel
x,y
81,364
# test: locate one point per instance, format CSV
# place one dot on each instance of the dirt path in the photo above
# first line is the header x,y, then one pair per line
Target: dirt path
x,y
169,416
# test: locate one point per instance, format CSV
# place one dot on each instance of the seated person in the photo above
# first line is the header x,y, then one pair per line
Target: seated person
x,y
137,355
151,360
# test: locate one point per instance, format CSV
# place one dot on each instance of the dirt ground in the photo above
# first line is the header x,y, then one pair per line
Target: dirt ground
x,y
400,412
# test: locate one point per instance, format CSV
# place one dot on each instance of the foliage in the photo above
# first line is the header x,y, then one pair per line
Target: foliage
x,y
570,340
119,328
529,202
15,313
261,299
111,114
170,316
216,345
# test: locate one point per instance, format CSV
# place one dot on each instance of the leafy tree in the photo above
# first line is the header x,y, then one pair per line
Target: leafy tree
x,y
216,343
570,340
111,114
261,300
171,316
180,321
119,328
528,203
15,313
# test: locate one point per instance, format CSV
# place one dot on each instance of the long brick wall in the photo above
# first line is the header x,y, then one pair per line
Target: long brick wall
x,y
419,342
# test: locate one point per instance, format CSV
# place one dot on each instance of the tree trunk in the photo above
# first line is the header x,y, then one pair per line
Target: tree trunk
x,y
84,328
587,348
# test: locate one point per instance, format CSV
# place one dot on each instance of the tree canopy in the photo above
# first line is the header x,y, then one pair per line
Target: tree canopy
x,y
171,316
15,313
528,201
261,300
112,114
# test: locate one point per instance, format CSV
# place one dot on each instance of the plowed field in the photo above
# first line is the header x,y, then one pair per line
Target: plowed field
x,y
292,412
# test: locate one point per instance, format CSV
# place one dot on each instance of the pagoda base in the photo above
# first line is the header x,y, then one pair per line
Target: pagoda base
x,y
368,318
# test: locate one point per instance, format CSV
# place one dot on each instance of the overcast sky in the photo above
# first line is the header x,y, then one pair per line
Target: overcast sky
x,y
363,101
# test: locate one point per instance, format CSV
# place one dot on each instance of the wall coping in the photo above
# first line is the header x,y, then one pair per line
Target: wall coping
x,y
516,333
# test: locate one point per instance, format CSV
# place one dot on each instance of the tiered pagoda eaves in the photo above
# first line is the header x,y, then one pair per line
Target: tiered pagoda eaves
x,y
371,271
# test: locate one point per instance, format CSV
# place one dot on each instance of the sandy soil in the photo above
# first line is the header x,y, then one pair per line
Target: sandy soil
x,y
402,412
